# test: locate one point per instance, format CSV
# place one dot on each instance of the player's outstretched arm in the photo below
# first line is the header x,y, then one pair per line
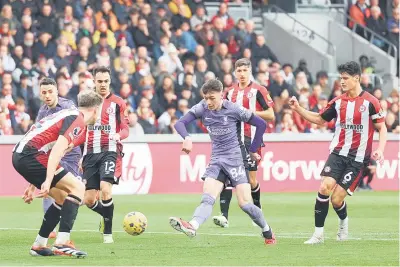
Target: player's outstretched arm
x,y
260,125
180,127
312,117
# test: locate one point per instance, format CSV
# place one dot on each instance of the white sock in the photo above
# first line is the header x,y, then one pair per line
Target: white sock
x,y
195,224
319,230
62,238
266,228
345,221
40,241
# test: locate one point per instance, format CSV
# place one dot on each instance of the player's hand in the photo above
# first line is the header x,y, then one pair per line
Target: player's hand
x,y
116,137
255,156
28,194
187,145
80,165
293,103
378,156
45,189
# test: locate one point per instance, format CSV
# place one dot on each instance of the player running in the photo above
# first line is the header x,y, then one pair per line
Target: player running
x,y
356,111
37,156
256,98
222,120
53,104
103,151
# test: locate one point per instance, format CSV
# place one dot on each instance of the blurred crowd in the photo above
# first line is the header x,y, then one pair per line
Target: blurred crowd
x,y
160,53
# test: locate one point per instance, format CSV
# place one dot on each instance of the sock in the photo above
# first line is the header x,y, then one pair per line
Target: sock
x,y
370,177
97,207
40,241
69,211
321,209
50,220
203,211
255,194
342,211
256,215
225,201
108,212
47,203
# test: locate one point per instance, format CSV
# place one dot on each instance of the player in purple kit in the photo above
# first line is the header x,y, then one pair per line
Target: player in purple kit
x,y
228,157
53,104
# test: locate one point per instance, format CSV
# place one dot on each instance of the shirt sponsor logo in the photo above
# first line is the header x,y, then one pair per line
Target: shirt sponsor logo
x,y
100,127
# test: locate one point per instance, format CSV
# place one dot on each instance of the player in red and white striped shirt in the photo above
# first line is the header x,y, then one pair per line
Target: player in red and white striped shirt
x,y
256,98
102,158
357,113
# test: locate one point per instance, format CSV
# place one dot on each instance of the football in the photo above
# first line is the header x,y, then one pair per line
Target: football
x,y
135,223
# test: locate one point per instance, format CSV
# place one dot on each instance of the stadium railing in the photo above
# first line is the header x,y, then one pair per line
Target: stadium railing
x,y
243,10
314,6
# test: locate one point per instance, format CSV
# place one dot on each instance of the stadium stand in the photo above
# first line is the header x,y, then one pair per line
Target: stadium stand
x,y
161,52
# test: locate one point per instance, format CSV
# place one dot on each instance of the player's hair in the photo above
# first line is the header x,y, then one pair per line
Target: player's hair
x,y
89,99
47,81
352,68
213,85
101,69
242,62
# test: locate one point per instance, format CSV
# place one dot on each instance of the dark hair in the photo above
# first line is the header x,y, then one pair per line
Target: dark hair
x,y
47,81
101,69
352,68
243,62
213,85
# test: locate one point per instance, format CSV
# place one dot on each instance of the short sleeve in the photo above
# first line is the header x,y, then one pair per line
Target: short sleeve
x,y
264,99
198,110
72,126
376,112
329,112
242,113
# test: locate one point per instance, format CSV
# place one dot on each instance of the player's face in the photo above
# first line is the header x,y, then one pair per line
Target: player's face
x,y
242,73
213,100
102,81
49,94
348,82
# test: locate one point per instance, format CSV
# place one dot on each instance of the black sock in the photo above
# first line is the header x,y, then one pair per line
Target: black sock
x,y
370,176
342,211
69,211
50,220
108,212
321,210
225,201
97,207
255,194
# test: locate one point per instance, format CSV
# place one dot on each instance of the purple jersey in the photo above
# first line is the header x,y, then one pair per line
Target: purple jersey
x,y
224,127
70,160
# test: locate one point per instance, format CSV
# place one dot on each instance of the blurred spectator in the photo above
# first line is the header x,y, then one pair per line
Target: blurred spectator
x,y
314,97
165,119
393,26
359,12
378,25
175,5
46,21
104,32
227,21
135,129
170,129
199,17
260,50
287,73
44,47
322,80
8,63
366,85
26,26
8,17
302,67
301,82
106,14
287,124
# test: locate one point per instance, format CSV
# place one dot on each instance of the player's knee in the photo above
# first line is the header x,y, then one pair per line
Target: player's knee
x,y
243,202
106,190
325,189
90,199
78,189
207,199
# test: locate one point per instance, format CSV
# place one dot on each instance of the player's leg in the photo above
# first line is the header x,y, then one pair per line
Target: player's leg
x,y
211,189
47,203
346,186
107,179
332,171
224,203
92,178
243,193
371,174
75,190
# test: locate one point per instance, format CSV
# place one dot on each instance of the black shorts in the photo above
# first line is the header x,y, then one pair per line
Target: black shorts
x,y
252,165
100,167
33,167
346,171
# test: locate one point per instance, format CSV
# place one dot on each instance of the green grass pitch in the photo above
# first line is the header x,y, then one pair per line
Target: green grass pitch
x,y
374,232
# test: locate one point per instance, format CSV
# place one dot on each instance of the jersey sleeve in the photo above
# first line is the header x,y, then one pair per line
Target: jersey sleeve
x,y
264,99
71,127
242,113
198,110
376,112
329,112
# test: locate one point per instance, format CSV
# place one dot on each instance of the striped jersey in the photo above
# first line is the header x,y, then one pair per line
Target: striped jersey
x,y
112,119
354,129
43,135
254,97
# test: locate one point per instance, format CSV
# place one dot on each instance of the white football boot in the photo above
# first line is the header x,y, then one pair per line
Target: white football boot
x,y
221,221
343,231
